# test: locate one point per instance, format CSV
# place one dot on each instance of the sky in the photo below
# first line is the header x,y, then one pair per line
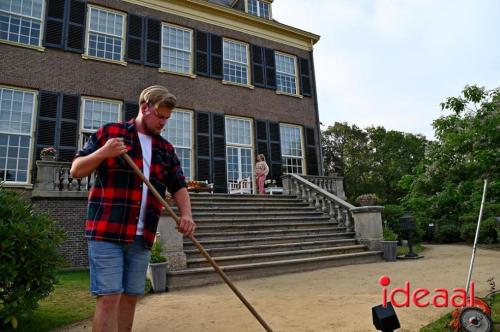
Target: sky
x,y
391,63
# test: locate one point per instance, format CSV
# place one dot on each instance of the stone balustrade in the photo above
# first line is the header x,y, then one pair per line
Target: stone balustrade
x,y
54,180
319,196
332,184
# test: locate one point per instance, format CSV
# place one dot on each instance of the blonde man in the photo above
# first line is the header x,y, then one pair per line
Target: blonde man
x,y
122,215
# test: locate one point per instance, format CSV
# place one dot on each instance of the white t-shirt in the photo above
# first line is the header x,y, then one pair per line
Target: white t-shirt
x,y
146,142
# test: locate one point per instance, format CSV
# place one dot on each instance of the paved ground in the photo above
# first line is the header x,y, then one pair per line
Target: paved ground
x,y
335,299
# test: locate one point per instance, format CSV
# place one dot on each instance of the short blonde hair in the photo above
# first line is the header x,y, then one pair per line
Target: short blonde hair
x,y
261,157
158,95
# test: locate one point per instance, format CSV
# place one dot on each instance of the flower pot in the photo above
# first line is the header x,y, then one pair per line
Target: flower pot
x,y
48,158
157,273
389,249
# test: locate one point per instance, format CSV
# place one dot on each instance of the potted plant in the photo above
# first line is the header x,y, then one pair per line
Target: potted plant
x,y
389,245
367,199
48,154
157,270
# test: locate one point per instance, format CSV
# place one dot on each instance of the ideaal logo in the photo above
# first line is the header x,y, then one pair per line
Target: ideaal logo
x,y
422,297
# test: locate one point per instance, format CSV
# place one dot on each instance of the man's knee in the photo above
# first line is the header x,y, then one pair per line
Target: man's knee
x,y
108,300
129,299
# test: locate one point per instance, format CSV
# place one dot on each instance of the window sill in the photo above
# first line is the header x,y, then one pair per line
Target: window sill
x,y
289,94
8,42
89,57
165,71
17,185
238,84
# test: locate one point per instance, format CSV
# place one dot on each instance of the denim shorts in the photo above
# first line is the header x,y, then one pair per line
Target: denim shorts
x,y
117,268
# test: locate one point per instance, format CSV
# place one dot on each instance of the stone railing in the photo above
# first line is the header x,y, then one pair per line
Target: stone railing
x,y
54,179
322,199
332,184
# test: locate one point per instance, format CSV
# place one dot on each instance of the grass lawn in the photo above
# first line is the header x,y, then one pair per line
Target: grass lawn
x,y
70,302
442,323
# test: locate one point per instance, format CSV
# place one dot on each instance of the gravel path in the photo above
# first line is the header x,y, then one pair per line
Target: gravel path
x,y
335,299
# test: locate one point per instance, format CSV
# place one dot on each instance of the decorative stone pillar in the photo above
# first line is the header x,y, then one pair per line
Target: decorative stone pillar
x,y
173,246
339,186
45,175
368,225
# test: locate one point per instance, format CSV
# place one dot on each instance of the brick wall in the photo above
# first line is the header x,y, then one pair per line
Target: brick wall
x,y
70,214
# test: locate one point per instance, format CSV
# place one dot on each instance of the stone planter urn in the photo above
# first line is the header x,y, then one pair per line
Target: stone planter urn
x,y
157,273
48,158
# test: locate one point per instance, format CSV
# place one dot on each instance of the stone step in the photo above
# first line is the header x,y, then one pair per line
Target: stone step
x,y
194,263
256,214
254,211
203,276
259,240
239,197
234,201
257,204
241,235
204,228
254,249
236,220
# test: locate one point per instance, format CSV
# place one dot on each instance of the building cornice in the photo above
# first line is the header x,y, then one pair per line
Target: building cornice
x,y
204,11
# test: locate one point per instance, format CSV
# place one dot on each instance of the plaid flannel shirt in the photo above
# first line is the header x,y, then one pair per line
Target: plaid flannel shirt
x,y
115,198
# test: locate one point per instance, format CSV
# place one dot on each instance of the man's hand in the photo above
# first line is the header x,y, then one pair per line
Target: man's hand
x,y
186,226
113,148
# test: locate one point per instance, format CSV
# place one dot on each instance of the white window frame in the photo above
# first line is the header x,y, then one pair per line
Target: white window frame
x,y
191,52
247,48
259,14
84,133
239,145
31,135
38,47
297,87
302,147
86,54
192,137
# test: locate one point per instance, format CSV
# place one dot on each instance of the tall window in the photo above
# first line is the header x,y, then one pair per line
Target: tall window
x,y
16,120
179,132
235,62
176,51
105,34
96,113
291,149
286,73
238,149
259,8
21,21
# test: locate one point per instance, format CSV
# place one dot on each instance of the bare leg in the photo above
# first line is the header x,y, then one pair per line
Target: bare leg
x,y
105,314
126,311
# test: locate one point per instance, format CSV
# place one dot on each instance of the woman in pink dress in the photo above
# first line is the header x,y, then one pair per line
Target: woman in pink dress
x,y
261,171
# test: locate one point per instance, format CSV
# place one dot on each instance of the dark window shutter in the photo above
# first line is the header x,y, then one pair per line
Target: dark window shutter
x,y
54,26
219,153
203,155
135,36
131,110
258,66
75,31
305,78
311,152
275,151
68,127
215,56
202,53
270,69
152,44
47,121
262,141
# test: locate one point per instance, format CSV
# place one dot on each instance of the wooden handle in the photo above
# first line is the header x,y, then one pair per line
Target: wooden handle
x,y
197,244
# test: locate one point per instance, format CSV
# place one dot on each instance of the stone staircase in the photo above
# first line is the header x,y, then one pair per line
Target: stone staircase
x,y
253,236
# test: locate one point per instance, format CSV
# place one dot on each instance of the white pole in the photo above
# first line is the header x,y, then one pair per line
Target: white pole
x,y
475,239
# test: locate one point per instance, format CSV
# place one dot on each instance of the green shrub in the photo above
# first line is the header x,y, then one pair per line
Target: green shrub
x,y
391,214
468,232
29,257
156,252
487,233
389,235
447,233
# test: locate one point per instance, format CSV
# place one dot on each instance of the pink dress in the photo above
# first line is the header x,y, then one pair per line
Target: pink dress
x,y
261,171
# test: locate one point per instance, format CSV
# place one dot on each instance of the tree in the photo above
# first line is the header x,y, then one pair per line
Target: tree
x,y
448,184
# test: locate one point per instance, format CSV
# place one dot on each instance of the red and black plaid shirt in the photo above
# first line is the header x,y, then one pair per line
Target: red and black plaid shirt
x,y
115,198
